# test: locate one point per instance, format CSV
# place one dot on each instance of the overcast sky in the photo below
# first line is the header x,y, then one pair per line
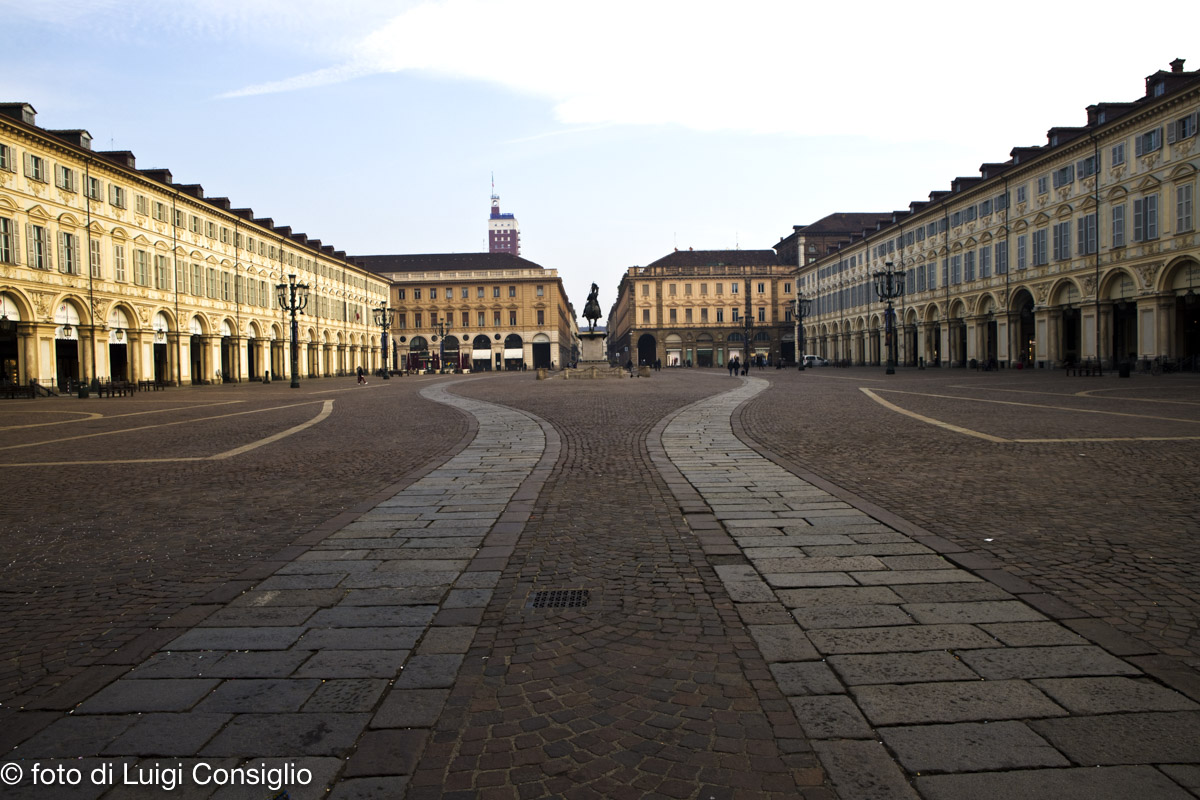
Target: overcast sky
x,y
616,131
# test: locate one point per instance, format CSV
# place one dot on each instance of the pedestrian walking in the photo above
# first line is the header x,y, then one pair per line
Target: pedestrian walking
x,y
362,377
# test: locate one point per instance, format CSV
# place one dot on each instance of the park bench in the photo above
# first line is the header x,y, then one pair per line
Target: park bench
x,y
1086,369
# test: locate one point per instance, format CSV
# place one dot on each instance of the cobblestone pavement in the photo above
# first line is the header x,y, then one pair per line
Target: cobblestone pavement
x,y
750,629
97,555
654,688
1107,525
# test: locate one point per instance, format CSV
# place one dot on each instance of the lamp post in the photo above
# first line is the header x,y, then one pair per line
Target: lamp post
x,y
293,298
383,318
442,327
889,285
802,306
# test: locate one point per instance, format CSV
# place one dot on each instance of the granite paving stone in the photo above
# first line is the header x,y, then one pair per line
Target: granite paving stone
x,y
238,638
970,747
863,770
1111,783
855,616
964,701
926,667
830,717
151,694
346,695
167,735
1045,662
1112,695
973,612
1142,738
285,735
259,695
900,639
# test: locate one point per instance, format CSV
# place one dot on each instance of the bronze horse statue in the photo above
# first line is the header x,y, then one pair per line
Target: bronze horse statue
x,y
591,311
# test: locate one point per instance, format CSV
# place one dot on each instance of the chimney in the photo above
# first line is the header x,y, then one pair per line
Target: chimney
x,y
1177,65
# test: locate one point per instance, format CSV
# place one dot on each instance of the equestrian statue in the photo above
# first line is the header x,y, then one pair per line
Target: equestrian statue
x,y
591,311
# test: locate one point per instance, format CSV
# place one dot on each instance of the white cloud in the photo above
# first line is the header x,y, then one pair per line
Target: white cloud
x,y
891,70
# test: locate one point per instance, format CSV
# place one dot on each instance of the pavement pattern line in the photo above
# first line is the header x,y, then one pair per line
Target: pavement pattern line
x,y
161,425
90,415
339,662
912,676
1000,440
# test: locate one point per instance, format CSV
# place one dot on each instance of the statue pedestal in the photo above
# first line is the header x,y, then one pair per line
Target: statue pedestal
x,y
591,348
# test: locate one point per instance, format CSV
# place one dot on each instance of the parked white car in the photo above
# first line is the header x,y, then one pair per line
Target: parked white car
x,y
815,361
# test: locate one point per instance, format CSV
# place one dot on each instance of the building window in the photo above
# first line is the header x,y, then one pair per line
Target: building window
x,y
119,262
35,168
733,287
720,287
512,291
141,267
673,315
1022,194
417,320
93,257
7,158
482,316
1183,208
210,230
68,253
180,218
762,288
787,287
671,290
197,280
400,294
541,291
1088,239
95,189
196,225
512,319
646,315
969,266
720,315
704,315
8,253
466,293
1062,240
956,269
1087,167
1148,142
645,290
1184,128
1118,154
39,247
687,315
1118,226
985,262
1145,218
734,314
417,296
1022,253
433,293
479,292
496,318
1039,248
1001,258
466,319
1064,176
1043,185
541,317
762,315
161,275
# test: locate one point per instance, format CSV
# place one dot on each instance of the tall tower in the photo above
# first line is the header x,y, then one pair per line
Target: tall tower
x,y
504,235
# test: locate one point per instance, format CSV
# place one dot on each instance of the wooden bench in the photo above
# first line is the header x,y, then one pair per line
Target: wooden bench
x,y
115,389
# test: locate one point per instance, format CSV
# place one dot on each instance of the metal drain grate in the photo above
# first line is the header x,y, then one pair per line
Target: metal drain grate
x,y
559,598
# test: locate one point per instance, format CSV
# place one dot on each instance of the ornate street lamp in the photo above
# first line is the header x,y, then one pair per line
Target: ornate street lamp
x,y
802,306
889,285
293,298
442,327
384,317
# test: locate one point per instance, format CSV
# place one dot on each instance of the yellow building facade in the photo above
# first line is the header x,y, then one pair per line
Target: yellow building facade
x,y
703,307
1082,249
116,273
477,311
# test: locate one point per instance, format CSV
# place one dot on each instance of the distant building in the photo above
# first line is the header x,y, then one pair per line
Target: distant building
x,y
702,307
504,234
477,311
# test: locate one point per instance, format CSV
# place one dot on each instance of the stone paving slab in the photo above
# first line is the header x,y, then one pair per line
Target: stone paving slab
x,y
963,672
1108,783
